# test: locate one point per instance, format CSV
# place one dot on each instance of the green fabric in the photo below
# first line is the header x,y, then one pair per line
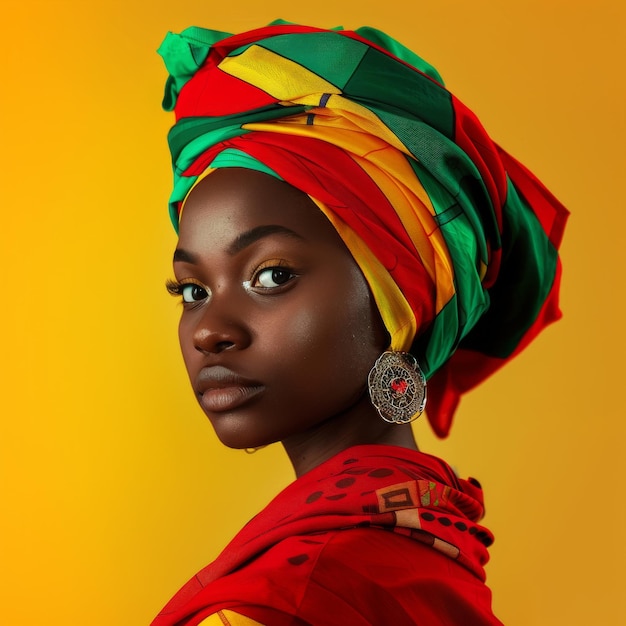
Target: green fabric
x,y
230,157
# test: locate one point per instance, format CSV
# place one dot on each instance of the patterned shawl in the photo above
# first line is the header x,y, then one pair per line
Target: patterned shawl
x,y
312,556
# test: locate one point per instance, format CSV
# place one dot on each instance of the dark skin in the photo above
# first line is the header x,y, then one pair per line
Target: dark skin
x,y
279,329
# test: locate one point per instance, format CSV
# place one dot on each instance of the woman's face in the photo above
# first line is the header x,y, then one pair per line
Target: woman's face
x,y
278,329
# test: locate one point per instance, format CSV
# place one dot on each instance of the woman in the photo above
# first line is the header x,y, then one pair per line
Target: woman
x,y
347,231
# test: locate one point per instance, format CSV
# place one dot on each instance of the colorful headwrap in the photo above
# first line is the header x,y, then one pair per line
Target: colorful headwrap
x,y
456,239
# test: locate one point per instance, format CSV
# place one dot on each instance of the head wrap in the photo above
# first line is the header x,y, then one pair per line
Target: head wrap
x,y
456,239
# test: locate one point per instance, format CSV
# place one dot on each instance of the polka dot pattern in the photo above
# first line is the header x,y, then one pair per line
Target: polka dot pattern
x,y
344,483
380,473
299,559
316,495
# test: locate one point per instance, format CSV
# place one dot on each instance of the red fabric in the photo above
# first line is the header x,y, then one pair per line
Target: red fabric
x,y
192,100
377,535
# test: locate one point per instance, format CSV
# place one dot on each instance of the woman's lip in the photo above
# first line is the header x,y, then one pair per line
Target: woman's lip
x,y
220,399
220,389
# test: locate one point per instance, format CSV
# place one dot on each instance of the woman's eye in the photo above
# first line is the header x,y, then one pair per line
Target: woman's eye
x,y
273,277
192,293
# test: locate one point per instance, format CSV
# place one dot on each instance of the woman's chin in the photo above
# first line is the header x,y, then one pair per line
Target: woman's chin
x,y
237,440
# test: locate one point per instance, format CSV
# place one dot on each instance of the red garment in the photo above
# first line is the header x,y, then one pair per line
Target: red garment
x,y
377,535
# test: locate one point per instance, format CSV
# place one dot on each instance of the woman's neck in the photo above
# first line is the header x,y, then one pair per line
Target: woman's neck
x,y
359,425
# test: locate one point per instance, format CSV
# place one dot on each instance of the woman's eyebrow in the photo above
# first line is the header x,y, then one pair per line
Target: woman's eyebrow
x,y
249,237
241,242
182,256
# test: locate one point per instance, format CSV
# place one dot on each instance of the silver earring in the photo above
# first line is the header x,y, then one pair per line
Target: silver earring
x,y
397,387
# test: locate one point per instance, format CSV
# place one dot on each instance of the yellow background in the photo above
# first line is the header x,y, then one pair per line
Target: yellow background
x,y
114,489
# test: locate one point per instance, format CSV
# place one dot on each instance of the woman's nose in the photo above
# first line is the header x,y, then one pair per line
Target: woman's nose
x,y
221,326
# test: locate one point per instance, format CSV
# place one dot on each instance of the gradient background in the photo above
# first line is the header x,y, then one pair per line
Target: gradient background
x,y
114,489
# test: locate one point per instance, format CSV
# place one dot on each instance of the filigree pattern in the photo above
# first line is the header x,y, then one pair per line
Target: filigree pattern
x,y
397,387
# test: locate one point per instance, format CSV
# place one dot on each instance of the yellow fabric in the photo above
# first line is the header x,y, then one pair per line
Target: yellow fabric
x,y
228,618
274,74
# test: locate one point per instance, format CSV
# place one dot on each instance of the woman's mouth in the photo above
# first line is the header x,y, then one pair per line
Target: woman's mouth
x,y
220,389
227,398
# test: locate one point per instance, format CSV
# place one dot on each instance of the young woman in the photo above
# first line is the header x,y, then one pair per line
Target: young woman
x,y
347,231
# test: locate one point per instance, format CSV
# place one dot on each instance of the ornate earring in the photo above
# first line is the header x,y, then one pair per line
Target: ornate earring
x,y
397,387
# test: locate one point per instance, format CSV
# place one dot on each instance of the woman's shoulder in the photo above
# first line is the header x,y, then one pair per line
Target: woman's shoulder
x,y
358,576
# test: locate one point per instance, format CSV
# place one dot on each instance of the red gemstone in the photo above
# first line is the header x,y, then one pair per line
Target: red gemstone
x,y
399,385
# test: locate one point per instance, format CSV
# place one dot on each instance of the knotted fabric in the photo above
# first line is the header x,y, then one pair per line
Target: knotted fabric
x,y
456,239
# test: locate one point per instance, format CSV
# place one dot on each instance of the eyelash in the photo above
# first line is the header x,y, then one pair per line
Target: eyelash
x,y
272,266
177,289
